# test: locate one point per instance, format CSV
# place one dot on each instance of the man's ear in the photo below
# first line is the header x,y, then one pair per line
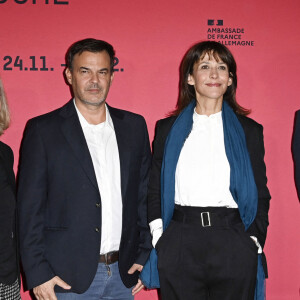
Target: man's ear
x,y
112,78
68,74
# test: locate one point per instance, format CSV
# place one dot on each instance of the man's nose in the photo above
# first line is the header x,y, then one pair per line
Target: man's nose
x,y
94,77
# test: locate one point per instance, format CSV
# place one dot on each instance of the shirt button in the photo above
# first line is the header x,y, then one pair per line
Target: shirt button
x,y
97,229
97,204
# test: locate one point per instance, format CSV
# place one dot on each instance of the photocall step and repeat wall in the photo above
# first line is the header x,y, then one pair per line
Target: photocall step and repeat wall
x,y
150,38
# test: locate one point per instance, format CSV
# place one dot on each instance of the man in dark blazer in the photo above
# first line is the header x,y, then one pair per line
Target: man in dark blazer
x,y
83,177
296,151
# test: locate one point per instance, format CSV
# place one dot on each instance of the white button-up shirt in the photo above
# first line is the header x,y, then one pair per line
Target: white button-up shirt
x,y
203,173
102,144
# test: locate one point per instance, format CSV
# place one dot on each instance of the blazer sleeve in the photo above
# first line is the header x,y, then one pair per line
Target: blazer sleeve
x,y
32,197
144,234
162,129
255,144
296,151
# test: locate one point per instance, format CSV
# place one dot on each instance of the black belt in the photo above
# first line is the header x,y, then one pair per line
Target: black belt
x,y
208,219
109,258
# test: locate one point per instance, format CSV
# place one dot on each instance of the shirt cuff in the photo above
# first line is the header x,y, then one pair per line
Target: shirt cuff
x,y
156,229
254,238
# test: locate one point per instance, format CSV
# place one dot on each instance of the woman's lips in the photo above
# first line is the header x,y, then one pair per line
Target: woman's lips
x,y
213,84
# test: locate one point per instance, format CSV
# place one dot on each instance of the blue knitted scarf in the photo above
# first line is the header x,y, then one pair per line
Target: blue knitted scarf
x,y
242,183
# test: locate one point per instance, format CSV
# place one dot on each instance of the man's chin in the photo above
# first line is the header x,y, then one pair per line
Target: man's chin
x,y
93,103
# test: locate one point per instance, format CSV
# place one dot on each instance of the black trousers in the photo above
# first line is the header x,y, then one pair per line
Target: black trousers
x,y
197,261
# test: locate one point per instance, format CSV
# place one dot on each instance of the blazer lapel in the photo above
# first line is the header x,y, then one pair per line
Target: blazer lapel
x,y
124,152
73,133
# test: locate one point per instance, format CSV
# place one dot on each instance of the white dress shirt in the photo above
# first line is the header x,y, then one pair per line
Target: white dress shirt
x,y
102,144
203,173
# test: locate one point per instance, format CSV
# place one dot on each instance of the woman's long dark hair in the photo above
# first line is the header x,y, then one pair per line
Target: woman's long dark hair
x,y
192,56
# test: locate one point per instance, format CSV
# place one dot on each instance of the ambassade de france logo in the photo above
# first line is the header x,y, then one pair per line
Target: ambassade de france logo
x,y
228,36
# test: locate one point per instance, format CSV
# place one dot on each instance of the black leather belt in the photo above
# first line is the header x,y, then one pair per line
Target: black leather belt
x,y
109,258
207,219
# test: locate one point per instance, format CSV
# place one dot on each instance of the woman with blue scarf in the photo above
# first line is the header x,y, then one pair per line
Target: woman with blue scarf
x,y
208,200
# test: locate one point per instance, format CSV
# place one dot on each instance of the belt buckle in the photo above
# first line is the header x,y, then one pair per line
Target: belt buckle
x,y
208,219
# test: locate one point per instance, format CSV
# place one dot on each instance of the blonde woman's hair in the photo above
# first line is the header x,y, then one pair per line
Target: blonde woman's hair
x,y
4,112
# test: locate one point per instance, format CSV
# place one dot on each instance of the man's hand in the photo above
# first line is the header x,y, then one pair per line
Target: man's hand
x,y
139,286
45,291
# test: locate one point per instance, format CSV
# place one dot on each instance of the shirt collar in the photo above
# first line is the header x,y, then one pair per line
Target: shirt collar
x,y
84,123
202,118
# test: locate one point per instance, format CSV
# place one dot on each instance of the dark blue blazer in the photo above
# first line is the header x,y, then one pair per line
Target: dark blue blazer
x,y
58,199
296,150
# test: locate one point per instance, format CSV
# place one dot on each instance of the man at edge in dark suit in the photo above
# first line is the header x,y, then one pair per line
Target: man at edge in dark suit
x,y
83,176
296,150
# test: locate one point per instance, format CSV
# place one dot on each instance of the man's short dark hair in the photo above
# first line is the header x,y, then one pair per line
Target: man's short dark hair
x,y
91,45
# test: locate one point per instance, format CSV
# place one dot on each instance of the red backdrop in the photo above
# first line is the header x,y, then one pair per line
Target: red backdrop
x,y
150,38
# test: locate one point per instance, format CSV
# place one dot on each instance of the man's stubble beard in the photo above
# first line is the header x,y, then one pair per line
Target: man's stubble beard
x,y
96,104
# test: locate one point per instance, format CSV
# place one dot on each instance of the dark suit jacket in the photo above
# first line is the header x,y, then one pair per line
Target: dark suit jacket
x,y
296,151
254,138
9,270
58,199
